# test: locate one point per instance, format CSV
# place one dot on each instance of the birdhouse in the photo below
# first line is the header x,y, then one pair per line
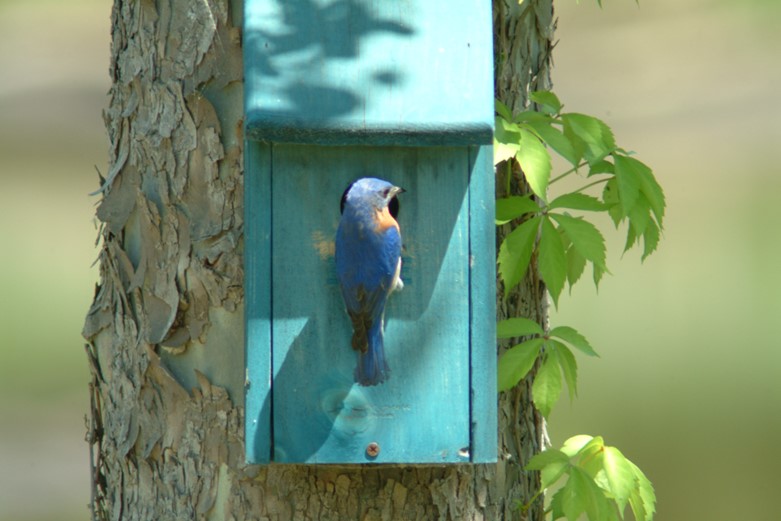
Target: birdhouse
x,y
337,90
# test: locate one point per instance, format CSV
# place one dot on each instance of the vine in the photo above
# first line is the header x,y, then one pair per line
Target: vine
x,y
600,481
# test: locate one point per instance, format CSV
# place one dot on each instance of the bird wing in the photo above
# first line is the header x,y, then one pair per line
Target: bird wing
x,y
372,274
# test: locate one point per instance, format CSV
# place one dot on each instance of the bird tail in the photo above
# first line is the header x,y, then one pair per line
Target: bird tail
x,y
372,368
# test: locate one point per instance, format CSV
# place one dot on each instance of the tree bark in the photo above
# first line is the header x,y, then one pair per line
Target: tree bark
x,y
523,43
165,331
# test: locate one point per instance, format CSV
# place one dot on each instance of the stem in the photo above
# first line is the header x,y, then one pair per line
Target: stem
x,y
598,181
508,176
528,505
568,172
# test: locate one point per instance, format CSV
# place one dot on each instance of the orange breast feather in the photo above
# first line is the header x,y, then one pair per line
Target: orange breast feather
x,y
385,220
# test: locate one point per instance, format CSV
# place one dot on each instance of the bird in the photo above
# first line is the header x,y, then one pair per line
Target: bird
x,y
368,266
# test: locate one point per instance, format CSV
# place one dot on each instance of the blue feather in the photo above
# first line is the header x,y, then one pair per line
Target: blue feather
x,y
368,255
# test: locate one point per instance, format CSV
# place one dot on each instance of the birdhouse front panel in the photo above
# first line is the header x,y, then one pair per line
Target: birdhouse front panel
x,y
319,413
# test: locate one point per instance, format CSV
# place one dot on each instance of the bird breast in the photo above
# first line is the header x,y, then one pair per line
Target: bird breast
x,y
385,220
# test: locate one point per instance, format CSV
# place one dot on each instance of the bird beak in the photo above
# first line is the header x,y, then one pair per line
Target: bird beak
x,y
396,190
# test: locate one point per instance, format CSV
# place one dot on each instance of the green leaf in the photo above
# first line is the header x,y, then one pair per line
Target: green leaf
x,y
650,239
643,499
503,110
504,151
575,339
640,215
542,459
515,253
509,208
551,463
578,495
601,167
578,201
627,181
547,100
576,264
597,506
517,327
648,186
619,474
613,202
585,238
575,444
569,367
594,133
528,116
556,510
590,456
597,275
535,163
606,510
516,362
556,139
553,260
642,225
506,131
578,145
547,385
631,238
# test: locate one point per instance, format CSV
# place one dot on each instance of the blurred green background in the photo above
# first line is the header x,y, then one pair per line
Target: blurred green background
x,y
688,382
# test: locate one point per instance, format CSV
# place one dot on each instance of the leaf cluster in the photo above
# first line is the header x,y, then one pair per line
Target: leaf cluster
x,y
543,226
563,244
557,359
600,481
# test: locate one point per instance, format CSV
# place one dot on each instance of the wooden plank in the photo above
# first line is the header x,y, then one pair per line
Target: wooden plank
x,y
482,315
421,414
257,302
418,72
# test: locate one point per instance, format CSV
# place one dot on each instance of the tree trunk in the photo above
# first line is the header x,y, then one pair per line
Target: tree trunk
x,y
165,331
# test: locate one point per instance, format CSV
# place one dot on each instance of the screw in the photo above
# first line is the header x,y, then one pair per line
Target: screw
x,y
372,449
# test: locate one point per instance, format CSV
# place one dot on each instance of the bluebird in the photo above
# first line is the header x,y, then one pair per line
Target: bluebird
x,y
368,263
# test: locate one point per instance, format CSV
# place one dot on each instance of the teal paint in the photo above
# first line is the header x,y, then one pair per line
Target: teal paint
x,y
324,107
413,72
482,302
257,297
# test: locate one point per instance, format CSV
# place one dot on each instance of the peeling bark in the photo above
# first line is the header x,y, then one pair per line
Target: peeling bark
x,y
165,428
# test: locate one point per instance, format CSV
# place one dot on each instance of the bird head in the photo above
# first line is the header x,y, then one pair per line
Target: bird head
x,y
372,192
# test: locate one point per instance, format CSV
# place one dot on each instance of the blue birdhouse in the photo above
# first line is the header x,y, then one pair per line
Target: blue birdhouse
x,y
336,91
